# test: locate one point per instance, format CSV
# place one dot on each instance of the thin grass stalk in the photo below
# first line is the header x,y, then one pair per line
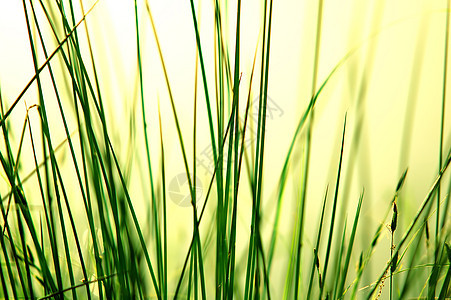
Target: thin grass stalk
x,y
87,201
39,70
99,96
202,211
442,120
221,214
225,234
99,174
365,256
72,152
340,293
60,293
77,242
195,218
41,189
233,141
445,291
410,265
393,226
134,219
13,169
149,166
226,205
339,262
27,287
253,262
422,208
13,279
230,275
334,208
237,171
164,291
95,149
46,137
62,222
359,144
307,152
315,260
12,283
194,170
204,80
190,277
53,81
261,251
27,217
24,209
97,167
399,256
284,173
436,270
194,199
178,128
85,195
129,204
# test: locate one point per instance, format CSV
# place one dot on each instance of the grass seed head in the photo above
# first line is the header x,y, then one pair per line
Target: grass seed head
x,y
394,221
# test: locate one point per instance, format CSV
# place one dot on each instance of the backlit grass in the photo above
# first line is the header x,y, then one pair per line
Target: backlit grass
x,y
225,150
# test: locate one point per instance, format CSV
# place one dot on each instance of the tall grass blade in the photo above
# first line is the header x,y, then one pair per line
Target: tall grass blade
x,y
334,208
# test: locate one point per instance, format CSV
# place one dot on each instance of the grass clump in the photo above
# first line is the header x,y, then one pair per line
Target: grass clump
x,y
278,189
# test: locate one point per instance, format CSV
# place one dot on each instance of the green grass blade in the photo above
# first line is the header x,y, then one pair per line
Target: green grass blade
x,y
315,261
165,238
350,247
422,208
442,121
445,291
334,208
